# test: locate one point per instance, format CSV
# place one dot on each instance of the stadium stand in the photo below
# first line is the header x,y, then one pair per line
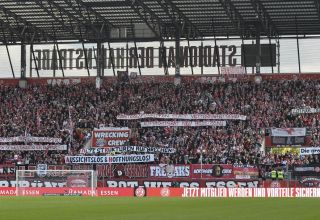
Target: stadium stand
x,y
51,111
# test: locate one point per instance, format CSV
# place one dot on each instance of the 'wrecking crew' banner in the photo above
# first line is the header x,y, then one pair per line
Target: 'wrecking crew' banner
x,y
133,158
184,116
122,149
110,137
183,123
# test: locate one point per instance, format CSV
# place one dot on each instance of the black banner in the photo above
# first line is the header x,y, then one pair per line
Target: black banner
x,y
307,170
288,141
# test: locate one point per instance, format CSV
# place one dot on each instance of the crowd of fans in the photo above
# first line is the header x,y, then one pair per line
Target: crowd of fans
x,y
72,112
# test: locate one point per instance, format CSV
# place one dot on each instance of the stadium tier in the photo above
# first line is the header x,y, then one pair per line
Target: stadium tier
x,y
202,131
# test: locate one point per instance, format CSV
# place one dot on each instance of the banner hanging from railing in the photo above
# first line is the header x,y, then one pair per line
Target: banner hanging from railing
x,y
126,149
33,147
309,150
288,132
133,158
183,116
183,124
110,137
27,139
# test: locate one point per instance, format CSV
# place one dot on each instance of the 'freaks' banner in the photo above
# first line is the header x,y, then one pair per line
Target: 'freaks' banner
x,y
288,132
133,158
184,116
205,171
182,123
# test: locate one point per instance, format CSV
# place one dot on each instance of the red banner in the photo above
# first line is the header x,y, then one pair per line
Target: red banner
x,y
245,172
281,184
123,171
234,192
212,171
168,192
67,191
115,192
179,182
110,137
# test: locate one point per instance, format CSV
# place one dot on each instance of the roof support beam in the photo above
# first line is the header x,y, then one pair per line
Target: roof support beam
x,y
264,18
178,18
85,21
13,32
317,3
156,26
79,10
8,52
45,7
234,16
89,9
27,26
71,16
148,16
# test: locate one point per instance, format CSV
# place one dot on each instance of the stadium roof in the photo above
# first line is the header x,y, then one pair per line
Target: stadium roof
x,y
114,20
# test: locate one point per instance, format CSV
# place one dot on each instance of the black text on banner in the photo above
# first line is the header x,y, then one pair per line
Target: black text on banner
x,y
133,158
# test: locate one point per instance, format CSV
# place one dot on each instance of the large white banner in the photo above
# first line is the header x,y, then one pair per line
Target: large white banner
x,y
135,149
132,158
183,116
288,132
309,150
305,110
30,139
33,147
182,123
110,137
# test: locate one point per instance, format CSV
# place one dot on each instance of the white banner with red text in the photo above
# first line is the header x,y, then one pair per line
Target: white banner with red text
x,y
183,124
288,132
33,147
125,149
183,116
30,139
110,137
132,158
